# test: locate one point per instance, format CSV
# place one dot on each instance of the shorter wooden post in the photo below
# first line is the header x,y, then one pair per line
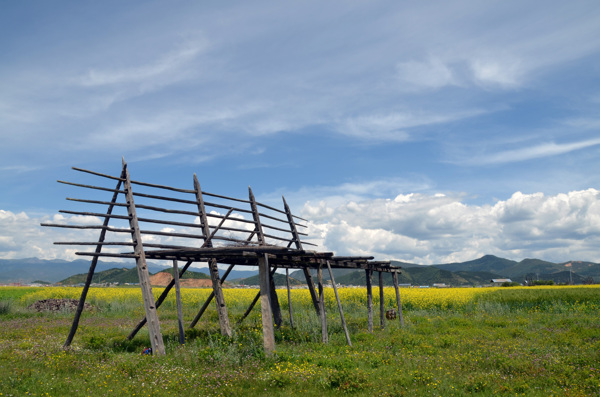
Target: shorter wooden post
x,y
369,274
337,298
277,317
324,335
178,298
287,281
381,302
400,316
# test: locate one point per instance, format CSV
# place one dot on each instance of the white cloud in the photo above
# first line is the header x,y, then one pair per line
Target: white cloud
x,y
417,227
168,64
439,228
503,73
430,74
531,152
393,126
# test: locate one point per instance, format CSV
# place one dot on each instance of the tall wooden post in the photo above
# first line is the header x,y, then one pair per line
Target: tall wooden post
x,y
212,265
369,274
88,280
324,335
381,302
289,294
265,305
156,340
298,243
400,316
178,299
337,298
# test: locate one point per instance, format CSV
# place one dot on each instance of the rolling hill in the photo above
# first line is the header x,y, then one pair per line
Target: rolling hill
x,y
124,275
475,272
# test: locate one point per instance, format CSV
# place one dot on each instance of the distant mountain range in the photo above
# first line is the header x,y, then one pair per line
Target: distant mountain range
x,y
476,272
29,270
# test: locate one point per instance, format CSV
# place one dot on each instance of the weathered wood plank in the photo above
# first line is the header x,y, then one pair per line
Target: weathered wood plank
x,y
178,299
156,340
265,306
337,298
324,335
289,294
296,240
212,265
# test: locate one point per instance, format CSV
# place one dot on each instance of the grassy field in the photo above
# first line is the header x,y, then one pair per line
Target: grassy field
x,y
539,341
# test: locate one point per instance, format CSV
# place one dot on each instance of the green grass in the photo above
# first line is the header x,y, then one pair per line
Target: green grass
x,y
537,342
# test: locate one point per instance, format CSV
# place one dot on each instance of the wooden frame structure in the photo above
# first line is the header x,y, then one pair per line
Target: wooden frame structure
x,y
195,231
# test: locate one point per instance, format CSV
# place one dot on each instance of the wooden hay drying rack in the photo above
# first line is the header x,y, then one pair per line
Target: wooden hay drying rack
x,y
258,244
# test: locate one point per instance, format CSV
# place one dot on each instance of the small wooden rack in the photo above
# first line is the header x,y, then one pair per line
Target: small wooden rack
x,y
194,230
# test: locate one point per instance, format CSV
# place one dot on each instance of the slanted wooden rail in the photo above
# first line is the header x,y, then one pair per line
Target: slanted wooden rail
x,y
231,239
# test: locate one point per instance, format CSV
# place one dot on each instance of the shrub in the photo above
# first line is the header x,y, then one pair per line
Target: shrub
x,y
4,307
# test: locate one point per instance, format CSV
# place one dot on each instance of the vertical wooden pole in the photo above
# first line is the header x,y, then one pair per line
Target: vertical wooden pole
x,y
324,335
88,280
265,305
337,298
289,294
298,243
212,265
400,316
277,316
156,340
178,298
369,274
381,302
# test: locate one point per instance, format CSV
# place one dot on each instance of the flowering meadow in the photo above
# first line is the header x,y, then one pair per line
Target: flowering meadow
x,y
538,341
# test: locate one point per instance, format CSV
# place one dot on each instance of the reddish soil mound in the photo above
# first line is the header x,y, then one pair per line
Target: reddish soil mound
x,y
163,279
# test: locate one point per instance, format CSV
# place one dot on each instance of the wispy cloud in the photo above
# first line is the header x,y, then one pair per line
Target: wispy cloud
x,y
531,152
167,64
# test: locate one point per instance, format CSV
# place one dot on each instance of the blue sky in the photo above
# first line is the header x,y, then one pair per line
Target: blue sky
x,y
428,132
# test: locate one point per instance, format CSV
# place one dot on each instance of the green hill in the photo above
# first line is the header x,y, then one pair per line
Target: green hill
x,y
121,276
422,275
487,263
115,275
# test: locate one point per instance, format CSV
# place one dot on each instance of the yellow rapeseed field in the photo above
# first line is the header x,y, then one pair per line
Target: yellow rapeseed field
x,y
412,298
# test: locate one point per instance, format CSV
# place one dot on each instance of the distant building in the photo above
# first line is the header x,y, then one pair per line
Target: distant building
x,y
497,282
440,285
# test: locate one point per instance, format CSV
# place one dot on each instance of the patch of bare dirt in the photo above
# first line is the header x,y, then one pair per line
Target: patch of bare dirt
x,y
57,305
163,279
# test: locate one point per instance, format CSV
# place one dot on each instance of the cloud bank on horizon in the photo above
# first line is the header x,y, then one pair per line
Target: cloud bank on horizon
x,y
429,132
